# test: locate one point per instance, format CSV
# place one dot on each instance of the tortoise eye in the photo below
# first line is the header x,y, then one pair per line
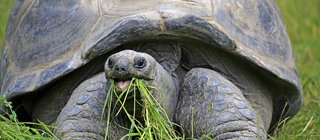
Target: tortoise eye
x,y
140,63
110,63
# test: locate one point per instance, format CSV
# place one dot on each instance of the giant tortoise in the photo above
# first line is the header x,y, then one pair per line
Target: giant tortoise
x,y
226,67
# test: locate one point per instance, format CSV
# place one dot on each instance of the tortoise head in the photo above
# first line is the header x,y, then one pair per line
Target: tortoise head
x,y
128,64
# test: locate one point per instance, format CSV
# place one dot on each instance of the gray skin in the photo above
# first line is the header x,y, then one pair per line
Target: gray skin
x,y
55,50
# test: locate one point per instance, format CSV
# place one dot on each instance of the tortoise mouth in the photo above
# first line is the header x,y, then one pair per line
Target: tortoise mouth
x,y
122,84
128,96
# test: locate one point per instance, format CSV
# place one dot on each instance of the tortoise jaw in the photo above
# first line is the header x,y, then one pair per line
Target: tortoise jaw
x,y
122,84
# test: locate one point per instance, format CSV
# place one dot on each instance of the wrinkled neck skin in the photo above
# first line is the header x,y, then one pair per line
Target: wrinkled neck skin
x,y
167,92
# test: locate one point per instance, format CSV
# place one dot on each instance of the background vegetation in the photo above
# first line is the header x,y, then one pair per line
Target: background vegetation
x,y
5,7
303,23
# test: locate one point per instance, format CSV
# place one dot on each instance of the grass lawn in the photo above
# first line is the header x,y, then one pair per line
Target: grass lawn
x,y
303,24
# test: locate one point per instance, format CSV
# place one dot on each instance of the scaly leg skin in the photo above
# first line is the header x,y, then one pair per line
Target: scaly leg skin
x,y
210,105
80,118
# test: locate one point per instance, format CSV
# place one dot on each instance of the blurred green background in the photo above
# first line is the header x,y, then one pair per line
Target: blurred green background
x,y
302,18
5,6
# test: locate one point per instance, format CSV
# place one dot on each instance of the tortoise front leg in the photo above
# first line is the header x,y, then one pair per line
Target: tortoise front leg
x,y
81,117
210,105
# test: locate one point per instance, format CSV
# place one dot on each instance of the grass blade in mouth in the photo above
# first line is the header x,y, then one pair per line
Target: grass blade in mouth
x,y
155,123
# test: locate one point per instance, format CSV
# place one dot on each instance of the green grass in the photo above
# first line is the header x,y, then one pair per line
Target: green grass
x,y
12,129
5,7
154,123
303,25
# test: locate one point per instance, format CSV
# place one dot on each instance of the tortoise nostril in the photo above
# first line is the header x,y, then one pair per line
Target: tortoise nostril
x,y
120,69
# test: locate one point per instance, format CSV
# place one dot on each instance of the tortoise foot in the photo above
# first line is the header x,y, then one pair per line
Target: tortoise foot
x,y
83,118
80,118
211,106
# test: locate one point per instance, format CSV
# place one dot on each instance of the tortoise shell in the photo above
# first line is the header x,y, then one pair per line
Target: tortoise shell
x,y
46,39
